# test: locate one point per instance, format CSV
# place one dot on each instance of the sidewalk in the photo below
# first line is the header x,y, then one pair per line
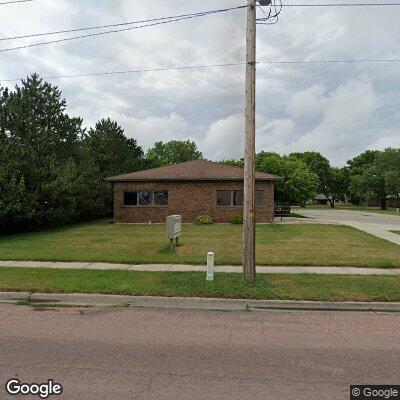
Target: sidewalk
x,y
201,268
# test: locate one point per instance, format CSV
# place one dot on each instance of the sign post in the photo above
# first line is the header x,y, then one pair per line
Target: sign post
x,y
174,229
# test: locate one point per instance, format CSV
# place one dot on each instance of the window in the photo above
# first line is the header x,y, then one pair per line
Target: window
x,y
224,197
146,198
130,198
161,198
235,198
260,198
238,198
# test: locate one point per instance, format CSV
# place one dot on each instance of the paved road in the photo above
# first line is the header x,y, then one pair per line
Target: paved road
x,y
126,353
378,225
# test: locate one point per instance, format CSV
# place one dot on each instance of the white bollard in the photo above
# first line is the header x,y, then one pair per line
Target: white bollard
x,y
210,266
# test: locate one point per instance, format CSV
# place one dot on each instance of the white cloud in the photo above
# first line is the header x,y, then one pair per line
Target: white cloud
x,y
310,102
338,109
225,138
154,128
346,115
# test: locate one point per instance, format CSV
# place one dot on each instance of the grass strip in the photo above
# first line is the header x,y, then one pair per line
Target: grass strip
x,y
194,284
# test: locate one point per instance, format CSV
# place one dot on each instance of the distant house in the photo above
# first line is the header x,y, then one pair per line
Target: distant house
x,y
321,199
189,189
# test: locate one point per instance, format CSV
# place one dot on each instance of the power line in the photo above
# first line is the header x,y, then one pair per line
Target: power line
x,y
342,5
90,35
135,71
120,24
371,60
3,3
189,67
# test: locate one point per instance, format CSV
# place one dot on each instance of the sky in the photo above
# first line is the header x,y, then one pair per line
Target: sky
x,y
339,110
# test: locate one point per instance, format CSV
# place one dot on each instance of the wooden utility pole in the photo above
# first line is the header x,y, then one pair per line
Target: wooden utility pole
x,y
249,256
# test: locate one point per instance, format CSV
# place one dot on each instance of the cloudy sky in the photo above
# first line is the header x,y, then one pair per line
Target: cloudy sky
x,y
337,109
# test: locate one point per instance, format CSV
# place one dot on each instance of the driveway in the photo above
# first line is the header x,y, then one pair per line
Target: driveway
x,y
128,353
378,225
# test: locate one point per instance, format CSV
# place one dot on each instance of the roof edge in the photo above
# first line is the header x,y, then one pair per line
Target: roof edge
x,y
116,179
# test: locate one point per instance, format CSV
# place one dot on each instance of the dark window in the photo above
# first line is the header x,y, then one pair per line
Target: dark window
x,y
161,198
145,198
130,198
260,198
224,197
238,198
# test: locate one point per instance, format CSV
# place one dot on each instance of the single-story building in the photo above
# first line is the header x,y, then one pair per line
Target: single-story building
x,y
189,189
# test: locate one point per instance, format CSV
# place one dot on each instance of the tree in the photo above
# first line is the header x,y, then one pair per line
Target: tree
x,y
298,184
107,151
173,152
357,164
320,165
376,175
339,185
108,147
39,143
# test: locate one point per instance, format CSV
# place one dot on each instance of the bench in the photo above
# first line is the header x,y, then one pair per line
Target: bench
x,y
285,211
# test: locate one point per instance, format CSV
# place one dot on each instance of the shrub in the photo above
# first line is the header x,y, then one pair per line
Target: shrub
x,y
236,220
203,220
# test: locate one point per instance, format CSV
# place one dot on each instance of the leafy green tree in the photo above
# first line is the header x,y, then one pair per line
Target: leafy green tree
x,y
376,175
173,152
327,176
298,184
339,185
358,164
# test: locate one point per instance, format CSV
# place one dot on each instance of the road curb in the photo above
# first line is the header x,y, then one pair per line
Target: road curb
x,y
97,300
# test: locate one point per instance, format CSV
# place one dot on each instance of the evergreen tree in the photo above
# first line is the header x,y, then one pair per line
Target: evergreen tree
x,y
38,142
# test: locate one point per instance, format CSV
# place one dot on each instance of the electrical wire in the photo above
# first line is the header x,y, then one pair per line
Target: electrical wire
x,y
355,61
202,13
4,3
192,67
343,5
91,35
271,18
136,71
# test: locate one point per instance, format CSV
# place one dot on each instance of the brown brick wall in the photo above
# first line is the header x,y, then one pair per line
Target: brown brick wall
x,y
189,199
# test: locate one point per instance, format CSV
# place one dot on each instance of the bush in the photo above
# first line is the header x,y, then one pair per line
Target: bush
x,y
236,220
203,220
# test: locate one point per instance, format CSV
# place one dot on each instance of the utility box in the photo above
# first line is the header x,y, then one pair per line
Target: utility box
x,y
174,229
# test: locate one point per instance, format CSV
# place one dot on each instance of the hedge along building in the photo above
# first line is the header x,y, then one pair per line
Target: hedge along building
x,y
189,189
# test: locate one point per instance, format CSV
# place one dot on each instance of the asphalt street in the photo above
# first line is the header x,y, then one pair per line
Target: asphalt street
x,y
136,353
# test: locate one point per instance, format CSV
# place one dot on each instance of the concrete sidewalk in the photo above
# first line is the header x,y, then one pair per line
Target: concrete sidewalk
x,y
200,268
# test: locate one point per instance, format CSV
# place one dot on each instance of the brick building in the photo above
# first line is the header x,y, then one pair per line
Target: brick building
x,y
189,189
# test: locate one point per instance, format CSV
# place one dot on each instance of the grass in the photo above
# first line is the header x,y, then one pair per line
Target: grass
x,y
313,245
194,284
398,232
376,210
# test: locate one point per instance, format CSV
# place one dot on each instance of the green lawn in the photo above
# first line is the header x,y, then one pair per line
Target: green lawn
x,y
194,284
324,245
390,211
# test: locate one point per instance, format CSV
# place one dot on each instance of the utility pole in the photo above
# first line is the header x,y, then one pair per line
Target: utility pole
x,y
249,234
